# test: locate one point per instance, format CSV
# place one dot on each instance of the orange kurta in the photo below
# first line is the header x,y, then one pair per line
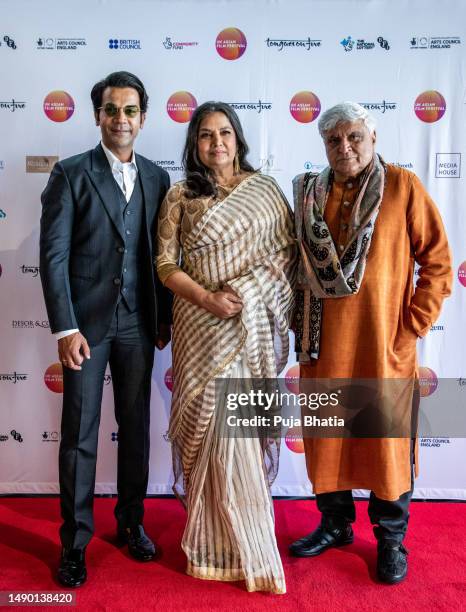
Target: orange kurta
x,y
373,334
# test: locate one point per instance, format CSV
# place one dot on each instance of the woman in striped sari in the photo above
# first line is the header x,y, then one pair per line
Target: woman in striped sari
x,y
227,251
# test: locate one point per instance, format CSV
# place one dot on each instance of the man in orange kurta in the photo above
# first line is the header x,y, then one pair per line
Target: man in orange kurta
x,y
371,331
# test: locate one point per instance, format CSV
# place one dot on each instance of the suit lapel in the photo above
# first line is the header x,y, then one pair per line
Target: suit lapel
x,y
102,178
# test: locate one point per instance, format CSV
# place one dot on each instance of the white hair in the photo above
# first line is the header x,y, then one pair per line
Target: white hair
x,y
343,113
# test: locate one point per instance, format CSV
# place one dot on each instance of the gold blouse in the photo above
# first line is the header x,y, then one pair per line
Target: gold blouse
x,y
177,217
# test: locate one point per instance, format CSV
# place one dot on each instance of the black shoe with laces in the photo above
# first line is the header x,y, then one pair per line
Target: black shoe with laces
x,y
140,547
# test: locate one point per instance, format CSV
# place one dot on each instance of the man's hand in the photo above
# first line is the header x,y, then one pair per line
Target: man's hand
x,y
163,337
72,350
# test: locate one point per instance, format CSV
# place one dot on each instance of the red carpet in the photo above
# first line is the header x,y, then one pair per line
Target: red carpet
x,y
341,579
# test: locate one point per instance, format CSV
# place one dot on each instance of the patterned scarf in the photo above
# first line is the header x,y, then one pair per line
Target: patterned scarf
x,y
323,273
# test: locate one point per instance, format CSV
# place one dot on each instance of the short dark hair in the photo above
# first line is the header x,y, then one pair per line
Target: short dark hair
x,y
199,180
119,79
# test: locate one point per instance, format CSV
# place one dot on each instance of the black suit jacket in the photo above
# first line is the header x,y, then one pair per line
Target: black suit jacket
x,y
82,244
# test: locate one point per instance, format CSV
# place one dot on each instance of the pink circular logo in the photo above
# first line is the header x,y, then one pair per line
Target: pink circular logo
x,y
462,273
231,43
169,379
428,381
180,106
430,106
294,440
305,106
58,106
53,378
292,379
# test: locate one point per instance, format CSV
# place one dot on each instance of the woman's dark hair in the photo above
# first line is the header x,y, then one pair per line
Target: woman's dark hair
x,y
119,79
199,179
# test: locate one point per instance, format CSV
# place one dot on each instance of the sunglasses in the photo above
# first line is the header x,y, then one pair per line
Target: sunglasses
x,y
111,110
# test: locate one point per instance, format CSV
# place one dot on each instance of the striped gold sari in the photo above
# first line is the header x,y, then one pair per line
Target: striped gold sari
x,y
245,241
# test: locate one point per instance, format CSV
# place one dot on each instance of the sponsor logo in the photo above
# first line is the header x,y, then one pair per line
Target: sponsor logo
x,y
382,106
58,106
114,436
406,165
462,273
53,378
267,165
34,270
437,328
171,45
448,165
292,379
23,324
13,105
16,435
428,381
13,377
311,167
294,440
288,43
434,442
434,42
2,214
50,436
2,164
3,437
40,163
168,379
258,106
124,44
360,44
430,106
60,44
8,42
180,106
305,106
231,43
169,165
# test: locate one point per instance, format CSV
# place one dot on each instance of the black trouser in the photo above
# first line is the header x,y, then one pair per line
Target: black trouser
x,y
389,517
128,349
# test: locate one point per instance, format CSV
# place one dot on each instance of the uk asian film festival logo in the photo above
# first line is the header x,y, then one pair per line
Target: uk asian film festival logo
x,y
462,274
58,106
231,43
430,106
294,435
305,106
53,378
428,381
180,106
168,379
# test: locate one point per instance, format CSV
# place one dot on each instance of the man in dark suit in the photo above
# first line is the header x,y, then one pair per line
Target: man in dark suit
x,y
105,305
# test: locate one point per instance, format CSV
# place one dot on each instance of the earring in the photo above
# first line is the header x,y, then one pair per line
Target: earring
x,y
236,166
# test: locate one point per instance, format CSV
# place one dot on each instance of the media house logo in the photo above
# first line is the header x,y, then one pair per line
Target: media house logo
x,y
305,106
58,106
281,44
12,105
40,163
9,43
360,44
381,106
177,45
434,42
430,106
180,106
258,106
448,165
46,43
124,44
231,43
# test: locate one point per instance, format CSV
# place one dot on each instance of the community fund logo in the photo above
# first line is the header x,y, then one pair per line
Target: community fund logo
x,y
430,106
169,379
462,273
58,106
305,106
180,106
428,381
231,43
53,378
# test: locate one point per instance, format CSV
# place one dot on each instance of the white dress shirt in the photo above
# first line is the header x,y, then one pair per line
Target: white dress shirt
x,y
125,175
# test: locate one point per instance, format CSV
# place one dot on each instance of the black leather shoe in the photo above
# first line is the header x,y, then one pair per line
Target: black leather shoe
x,y
392,562
321,539
72,571
139,545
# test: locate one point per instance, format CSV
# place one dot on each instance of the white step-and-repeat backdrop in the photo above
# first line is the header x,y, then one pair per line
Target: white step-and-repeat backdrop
x,y
280,64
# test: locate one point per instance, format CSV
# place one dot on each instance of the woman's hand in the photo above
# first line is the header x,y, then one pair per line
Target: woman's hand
x,y
223,304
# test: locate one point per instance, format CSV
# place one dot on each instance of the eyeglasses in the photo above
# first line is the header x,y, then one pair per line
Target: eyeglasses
x,y
111,110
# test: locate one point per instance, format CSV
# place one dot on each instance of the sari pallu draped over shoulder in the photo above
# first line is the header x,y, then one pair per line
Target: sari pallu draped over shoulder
x,y
246,242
